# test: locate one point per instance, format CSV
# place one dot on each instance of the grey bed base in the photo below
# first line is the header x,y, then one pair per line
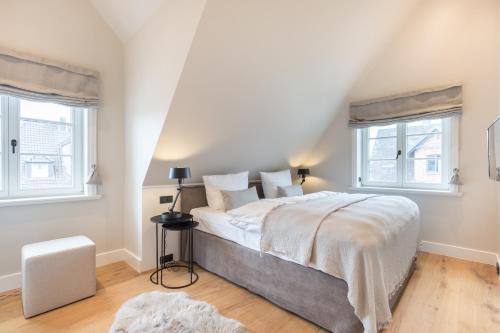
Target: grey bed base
x,y
309,293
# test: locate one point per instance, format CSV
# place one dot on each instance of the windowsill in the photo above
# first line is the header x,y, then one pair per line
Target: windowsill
x,y
48,200
443,193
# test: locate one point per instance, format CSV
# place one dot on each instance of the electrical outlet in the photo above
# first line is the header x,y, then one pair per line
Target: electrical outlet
x,y
166,258
166,199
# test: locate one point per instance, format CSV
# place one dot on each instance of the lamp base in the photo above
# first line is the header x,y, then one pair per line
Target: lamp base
x,y
167,216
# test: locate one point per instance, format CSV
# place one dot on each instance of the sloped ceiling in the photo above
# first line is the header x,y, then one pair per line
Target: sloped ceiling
x,y
264,79
126,17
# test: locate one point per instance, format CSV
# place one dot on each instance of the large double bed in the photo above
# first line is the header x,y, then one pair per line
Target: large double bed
x,y
340,261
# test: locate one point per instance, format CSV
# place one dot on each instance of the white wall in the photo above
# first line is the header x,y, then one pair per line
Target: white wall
x,y
152,207
69,31
444,41
263,80
154,59
498,113
267,77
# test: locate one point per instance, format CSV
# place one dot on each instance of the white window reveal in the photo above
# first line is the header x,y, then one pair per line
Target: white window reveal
x,y
42,151
417,155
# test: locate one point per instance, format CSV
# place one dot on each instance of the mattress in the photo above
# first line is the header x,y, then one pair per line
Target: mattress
x,y
218,223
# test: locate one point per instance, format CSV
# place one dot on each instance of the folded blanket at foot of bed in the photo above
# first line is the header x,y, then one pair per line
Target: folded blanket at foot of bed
x,y
367,240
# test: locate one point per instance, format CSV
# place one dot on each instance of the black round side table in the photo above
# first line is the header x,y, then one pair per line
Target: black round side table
x,y
182,223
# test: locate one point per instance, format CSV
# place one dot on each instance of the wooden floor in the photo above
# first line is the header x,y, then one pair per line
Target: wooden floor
x,y
443,295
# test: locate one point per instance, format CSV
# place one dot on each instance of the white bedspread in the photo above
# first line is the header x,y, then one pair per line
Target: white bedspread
x,y
368,241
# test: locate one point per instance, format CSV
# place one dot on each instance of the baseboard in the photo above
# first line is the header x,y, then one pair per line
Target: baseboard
x,y
10,281
489,258
134,261
13,281
106,258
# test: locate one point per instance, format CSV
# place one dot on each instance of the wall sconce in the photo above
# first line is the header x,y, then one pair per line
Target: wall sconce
x,y
303,173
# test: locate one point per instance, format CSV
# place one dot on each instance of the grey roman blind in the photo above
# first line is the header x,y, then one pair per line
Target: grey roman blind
x,y
429,103
35,78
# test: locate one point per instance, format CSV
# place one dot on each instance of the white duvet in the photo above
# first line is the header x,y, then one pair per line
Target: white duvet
x,y
369,241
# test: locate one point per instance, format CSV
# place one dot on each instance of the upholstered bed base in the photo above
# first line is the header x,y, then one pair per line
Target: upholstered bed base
x,y
309,293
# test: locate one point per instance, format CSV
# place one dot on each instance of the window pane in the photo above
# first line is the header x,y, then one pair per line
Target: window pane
x,y
45,172
424,146
424,171
45,146
45,111
45,138
382,148
382,171
424,126
382,131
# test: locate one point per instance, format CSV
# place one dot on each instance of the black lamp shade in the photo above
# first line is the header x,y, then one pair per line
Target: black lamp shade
x,y
179,173
303,172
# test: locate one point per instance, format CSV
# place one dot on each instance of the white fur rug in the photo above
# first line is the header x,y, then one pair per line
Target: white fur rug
x,y
161,312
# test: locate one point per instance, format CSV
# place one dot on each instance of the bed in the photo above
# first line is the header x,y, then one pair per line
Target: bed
x,y
235,254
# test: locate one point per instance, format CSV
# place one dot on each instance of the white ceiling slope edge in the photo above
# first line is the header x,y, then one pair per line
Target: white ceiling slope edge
x,y
126,17
264,79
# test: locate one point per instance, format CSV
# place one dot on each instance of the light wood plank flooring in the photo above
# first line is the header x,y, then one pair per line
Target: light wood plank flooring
x,y
443,295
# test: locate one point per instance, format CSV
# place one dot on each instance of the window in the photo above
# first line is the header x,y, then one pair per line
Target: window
x,y
416,154
433,163
41,151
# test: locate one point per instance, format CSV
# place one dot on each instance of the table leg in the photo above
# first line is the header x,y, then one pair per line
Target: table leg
x,y
191,253
156,253
162,253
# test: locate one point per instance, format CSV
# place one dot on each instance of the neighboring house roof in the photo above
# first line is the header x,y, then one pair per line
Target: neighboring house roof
x,y
39,160
53,136
385,145
420,143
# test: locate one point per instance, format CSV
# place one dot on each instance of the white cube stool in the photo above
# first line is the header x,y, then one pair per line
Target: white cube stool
x,y
56,273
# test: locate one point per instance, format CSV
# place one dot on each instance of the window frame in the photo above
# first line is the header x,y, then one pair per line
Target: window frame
x,y
5,147
83,153
449,158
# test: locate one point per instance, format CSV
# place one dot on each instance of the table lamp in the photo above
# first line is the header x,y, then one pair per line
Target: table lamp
x,y
179,174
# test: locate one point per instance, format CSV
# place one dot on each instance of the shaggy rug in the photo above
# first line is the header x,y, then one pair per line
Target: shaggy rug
x,y
161,312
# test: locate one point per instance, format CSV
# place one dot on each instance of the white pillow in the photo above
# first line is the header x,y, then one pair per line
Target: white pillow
x,y
231,182
271,181
235,199
290,191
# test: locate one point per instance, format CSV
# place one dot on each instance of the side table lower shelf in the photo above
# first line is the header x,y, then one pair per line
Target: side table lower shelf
x,y
159,272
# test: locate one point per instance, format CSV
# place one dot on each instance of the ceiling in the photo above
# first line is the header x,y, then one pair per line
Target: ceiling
x,y
126,17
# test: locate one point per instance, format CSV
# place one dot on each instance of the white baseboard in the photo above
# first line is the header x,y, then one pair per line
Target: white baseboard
x,y
110,257
10,281
489,258
13,281
134,261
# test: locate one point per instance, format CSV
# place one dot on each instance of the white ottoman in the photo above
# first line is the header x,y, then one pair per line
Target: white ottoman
x,y
56,273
